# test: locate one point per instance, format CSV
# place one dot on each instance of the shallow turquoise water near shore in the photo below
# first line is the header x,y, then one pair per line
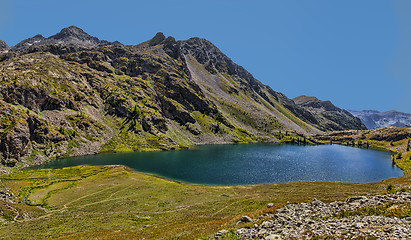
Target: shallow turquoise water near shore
x,y
253,164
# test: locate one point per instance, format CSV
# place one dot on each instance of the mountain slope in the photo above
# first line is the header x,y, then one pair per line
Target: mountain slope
x,y
234,89
73,94
328,116
375,119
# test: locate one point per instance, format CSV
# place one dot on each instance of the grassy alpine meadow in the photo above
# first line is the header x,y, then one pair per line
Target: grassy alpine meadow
x,y
114,202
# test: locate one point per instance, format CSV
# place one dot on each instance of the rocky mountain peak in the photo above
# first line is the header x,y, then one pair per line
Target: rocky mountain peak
x,y
215,61
3,45
157,39
4,48
74,34
170,39
70,37
203,50
314,102
38,39
305,99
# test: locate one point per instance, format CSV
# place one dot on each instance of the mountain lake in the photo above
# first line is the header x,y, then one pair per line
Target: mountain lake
x,y
235,164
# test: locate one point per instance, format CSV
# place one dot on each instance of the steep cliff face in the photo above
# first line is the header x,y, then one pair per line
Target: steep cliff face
x,y
48,109
329,117
73,94
375,119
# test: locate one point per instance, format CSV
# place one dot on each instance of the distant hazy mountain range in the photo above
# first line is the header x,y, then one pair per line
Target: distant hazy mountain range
x,y
375,119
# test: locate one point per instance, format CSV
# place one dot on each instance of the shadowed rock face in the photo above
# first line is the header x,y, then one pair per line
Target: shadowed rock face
x,y
328,116
3,45
157,39
73,94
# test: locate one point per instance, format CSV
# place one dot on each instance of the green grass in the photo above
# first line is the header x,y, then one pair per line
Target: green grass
x,y
265,123
119,203
129,141
126,141
211,126
391,209
179,136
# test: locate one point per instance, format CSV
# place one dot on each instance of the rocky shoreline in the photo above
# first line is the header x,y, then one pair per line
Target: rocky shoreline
x,y
316,220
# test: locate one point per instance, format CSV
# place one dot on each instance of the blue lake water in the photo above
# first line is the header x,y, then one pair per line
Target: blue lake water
x,y
253,164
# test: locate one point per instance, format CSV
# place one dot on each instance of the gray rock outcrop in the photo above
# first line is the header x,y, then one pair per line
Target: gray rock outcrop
x,y
3,47
317,219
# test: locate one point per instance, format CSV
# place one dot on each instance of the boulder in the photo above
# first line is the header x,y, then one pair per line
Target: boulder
x,y
220,233
246,219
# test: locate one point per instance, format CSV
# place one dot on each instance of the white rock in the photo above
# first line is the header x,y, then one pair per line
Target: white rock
x,y
273,237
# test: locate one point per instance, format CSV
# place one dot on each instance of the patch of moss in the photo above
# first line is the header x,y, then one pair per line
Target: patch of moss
x,y
10,127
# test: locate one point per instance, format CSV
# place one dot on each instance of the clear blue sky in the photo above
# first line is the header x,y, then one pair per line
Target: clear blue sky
x,y
355,53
